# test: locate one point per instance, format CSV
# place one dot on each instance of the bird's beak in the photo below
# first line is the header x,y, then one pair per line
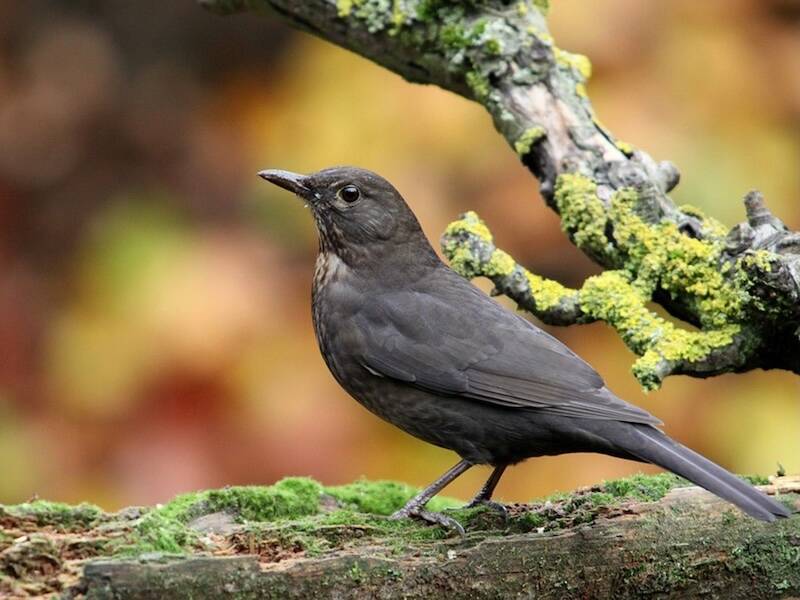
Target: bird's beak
x,y
293,182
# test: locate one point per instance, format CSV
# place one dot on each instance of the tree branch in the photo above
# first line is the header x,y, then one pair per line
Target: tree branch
x,y
739,288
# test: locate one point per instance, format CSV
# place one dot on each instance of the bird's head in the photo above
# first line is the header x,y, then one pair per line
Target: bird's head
x,y
358,213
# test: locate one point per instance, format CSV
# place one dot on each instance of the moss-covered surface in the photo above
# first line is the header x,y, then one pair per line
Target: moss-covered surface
x,y
344,536
44,545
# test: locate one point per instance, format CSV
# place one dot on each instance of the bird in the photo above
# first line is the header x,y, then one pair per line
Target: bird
x,y
423,348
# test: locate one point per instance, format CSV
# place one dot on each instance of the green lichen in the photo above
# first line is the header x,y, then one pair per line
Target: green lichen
x,y
494,47
583,215
528,138
479,84
542,5
612,297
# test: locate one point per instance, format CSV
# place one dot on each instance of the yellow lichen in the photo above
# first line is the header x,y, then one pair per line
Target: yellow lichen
x,y
469,222
500,264
344,7
578,62
583,216
614,297
660,255
547,294
624,147
528,139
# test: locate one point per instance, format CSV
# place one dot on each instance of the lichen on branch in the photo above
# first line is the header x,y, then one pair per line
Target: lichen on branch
x,y
739,288
650,258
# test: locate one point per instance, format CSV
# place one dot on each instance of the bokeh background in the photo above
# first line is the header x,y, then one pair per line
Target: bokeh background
x,y
155,334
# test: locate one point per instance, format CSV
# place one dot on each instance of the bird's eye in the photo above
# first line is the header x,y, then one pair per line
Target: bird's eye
x,y
349,193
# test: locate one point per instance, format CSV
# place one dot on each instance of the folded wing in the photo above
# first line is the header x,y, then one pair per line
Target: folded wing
x,y
474,348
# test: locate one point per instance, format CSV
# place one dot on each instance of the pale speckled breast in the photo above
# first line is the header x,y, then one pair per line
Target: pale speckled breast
x,y
326,307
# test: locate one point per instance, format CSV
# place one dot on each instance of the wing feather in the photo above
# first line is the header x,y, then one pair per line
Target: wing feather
x,y
474,348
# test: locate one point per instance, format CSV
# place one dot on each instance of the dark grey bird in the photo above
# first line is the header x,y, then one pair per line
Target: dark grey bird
x,y
421,347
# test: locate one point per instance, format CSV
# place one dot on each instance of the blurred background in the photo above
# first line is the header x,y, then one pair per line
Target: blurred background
x,y
155,332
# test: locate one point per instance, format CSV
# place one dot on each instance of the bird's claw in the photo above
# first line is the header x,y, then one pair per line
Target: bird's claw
x,y
434,518
490,504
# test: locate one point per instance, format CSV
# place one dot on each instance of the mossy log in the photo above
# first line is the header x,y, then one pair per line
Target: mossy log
x,y
640,537
740,288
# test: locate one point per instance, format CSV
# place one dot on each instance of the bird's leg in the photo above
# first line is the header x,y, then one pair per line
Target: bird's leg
x,y
416,506
484,495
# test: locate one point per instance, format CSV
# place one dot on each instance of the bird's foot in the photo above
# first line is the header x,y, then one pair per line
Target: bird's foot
x,y
490,504
434,518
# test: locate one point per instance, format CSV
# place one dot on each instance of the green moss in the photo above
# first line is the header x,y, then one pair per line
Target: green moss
x,y
381,497
562,510
643,487
528,138
288,499
293,504
56,514
756,479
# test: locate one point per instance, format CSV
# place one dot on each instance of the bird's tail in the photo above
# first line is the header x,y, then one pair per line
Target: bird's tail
x,y
653,446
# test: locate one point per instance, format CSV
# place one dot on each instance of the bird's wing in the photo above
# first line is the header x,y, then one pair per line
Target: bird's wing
x,y
455,340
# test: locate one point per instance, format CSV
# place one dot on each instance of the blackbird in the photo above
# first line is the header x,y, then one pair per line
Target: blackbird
x,y
421,347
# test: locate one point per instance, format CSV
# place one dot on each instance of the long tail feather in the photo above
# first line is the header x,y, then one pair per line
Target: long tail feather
x,y
653,446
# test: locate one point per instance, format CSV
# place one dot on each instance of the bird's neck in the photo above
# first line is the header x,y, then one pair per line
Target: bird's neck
x,y
371,263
